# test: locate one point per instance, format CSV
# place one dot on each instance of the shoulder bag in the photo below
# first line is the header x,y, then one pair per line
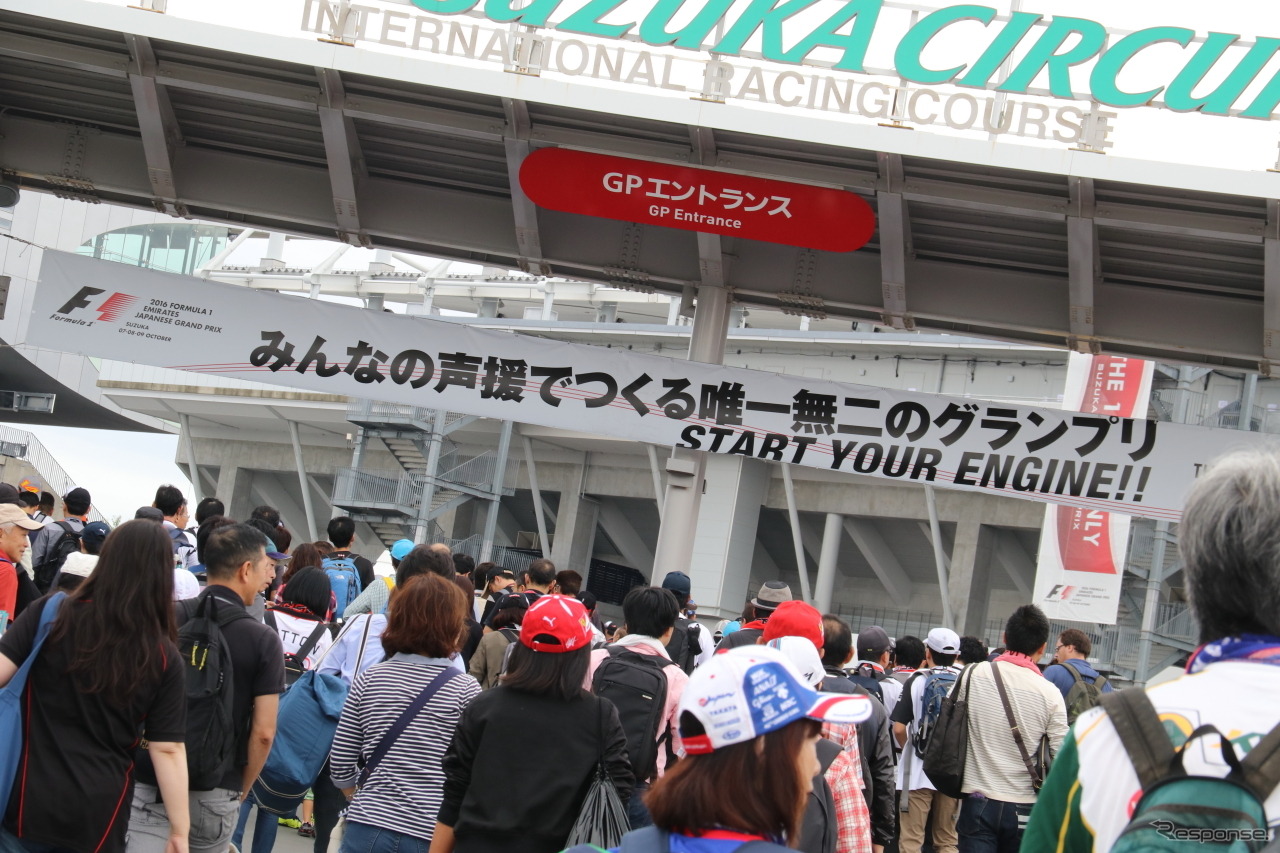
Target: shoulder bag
x,y
948,749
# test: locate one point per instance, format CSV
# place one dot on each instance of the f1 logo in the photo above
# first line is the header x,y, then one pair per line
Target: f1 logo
x,y
109,311
1054,592
81,299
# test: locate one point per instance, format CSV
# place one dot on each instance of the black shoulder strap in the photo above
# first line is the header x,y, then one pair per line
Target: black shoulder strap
x,y
269,617
310,645
402,722
1141,733
1261,767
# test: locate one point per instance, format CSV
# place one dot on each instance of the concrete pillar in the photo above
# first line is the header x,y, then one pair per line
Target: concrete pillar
x,y
234,490
832,531
725,540
464,519
576,519
969,586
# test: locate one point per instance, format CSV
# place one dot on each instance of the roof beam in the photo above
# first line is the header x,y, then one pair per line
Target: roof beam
x,y
1271,292
895,236
1084,266
157,124
881,558
342,153
516,142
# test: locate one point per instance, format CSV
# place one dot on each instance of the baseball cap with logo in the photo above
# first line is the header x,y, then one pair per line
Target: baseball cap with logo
x,y
803,656
944,640
872,642
771,594
743,693
95,532
795,619
556,623
401,548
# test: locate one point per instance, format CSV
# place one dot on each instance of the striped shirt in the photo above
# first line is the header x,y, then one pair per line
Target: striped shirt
x,y
994,765
404,792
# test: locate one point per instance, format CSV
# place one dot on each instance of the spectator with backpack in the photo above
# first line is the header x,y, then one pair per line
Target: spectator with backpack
x,y
690,644
300,620
80,565
499,581
185,584
1016,717
873,657
513,783
1102,793
233,693
1081,685
914,719
875,736
637,675
907,654
374,597
750,726
173,508
60,538
108,674
341,532
400,718
490,656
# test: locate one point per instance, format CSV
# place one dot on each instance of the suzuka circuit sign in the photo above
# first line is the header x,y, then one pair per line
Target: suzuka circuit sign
x,y
1006,52
697,200
1093,460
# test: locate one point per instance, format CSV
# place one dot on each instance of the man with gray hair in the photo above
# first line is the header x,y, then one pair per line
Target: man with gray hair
x,y
1230,547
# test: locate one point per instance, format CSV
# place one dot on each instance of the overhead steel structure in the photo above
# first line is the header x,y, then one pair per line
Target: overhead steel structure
x,y
1070,249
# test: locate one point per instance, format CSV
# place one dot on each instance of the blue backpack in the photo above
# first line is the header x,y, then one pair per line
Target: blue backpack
x,y
11,701
937,683
344,580
309,713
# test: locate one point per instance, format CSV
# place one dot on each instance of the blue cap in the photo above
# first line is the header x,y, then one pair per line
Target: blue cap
x,y
401,548
95,532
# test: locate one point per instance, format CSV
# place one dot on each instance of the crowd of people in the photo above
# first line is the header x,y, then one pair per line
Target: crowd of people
x,y
449,706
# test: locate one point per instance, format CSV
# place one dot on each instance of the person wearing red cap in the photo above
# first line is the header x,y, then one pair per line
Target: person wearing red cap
x,y
523,753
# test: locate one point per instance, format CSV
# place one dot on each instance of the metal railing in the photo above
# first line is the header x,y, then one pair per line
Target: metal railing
x,y
355,487
375,410
478,472
55,478
1175,620
896,623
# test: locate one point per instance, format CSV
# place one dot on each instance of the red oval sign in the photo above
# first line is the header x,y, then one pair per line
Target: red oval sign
x,y
696,199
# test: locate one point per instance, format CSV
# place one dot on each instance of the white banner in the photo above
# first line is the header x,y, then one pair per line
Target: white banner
x,y
1080,564
1093,461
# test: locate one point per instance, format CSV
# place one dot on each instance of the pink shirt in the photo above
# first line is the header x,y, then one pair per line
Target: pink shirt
x,y
676,681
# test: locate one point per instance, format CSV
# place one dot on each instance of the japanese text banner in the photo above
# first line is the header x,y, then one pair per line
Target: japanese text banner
x,y
1102,462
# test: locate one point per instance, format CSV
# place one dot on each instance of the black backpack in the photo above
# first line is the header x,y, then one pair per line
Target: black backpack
x,y
637,686
212,739
868,681
685,646
1083,695
46,572
819,828
295,663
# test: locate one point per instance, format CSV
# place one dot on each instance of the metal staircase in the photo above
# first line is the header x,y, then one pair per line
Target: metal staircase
x,y
433,476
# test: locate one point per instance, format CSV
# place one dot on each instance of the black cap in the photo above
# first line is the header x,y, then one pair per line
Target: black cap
x,y
677,582
150,513
78,495
9,494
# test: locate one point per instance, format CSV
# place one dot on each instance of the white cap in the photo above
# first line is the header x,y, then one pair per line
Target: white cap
x,y
802,654
944,640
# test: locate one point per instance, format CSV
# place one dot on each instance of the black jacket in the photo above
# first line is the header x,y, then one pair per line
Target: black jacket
x,y
876,745
519,767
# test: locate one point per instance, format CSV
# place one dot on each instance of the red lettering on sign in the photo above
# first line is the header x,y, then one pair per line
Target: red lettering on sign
x,y
695,199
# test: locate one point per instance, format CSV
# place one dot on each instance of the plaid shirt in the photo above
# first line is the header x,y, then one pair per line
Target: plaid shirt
x,y
853,820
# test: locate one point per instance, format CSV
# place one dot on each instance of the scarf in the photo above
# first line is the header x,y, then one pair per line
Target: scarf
x,y
643,640
1258,648
1019,659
